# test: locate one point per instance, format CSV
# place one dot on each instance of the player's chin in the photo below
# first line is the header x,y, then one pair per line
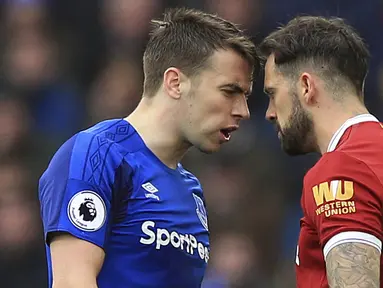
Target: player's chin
x,y
209,147
210,151
292,148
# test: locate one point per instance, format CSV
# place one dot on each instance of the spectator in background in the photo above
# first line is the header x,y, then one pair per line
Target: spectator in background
x,y
246,12
14,125
20,238
380,82
32,67
128,21
116,91
233,263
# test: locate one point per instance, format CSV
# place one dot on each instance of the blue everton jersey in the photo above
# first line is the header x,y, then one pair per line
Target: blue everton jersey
x,y
106,187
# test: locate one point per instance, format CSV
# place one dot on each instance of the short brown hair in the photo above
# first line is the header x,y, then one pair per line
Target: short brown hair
x,y
185,39
332,47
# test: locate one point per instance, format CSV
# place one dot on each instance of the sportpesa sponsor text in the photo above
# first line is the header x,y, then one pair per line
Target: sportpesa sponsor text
x,y
163,237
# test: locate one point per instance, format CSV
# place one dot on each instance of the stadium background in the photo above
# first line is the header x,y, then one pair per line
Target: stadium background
x,y
66,64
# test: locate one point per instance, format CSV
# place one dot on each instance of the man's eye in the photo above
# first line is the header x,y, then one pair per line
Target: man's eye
x,y
229,92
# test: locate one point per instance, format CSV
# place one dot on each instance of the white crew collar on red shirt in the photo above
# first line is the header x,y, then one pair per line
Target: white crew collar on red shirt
x,y
352,121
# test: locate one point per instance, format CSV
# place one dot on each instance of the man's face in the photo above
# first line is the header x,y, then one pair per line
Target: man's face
x,y
293,123
217,101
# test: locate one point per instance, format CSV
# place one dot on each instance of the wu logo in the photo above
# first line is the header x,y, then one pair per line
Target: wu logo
x,y
201,211
336,190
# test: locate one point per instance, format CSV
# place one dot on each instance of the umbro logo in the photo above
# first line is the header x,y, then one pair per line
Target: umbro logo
x,y
151,189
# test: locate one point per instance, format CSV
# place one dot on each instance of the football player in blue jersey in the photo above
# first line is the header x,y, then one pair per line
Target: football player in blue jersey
x,y
118,208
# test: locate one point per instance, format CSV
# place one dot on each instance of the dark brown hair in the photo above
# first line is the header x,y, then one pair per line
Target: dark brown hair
x,y
185,39
332,47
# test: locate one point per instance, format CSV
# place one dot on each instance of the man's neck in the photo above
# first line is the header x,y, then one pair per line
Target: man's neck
x,y
156,126
328,122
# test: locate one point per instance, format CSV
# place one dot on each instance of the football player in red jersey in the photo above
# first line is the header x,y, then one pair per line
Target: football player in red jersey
x,y
315,69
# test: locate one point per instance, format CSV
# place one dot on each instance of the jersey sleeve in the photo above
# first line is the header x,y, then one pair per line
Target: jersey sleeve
x,y
76,190
343,200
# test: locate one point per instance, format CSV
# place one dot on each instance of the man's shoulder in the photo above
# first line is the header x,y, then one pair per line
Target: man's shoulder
x,y
362,137
113,135
328,165
92,156
340,166
95,146
92,140
113,130
358,155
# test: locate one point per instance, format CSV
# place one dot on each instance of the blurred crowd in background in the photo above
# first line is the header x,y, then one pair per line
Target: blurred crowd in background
x,y
67,64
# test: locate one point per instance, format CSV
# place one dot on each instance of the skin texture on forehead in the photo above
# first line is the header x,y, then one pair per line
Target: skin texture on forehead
x,y
230,67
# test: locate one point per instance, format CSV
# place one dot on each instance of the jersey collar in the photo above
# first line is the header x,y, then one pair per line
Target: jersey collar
x,y
352,121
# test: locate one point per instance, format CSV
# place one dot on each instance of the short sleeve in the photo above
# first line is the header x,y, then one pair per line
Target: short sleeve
x,y
75,191
343,201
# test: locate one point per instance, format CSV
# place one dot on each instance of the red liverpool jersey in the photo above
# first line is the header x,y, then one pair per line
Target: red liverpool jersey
x,y
342,198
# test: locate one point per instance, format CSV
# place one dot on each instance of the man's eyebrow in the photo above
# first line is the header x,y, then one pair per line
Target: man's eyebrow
x,y
235,88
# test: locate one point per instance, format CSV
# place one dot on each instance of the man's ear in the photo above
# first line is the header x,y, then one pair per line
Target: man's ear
x,y
172,82
307,87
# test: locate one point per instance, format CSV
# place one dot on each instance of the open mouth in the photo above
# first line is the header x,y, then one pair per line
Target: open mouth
x,y
227,132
